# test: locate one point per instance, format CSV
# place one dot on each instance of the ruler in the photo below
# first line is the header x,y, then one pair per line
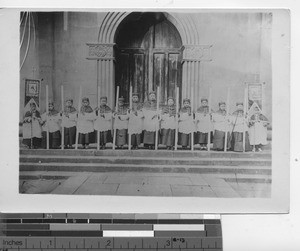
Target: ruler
x,y
134,232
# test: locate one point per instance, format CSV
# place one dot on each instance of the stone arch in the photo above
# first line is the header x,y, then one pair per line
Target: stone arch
x,y
193,56
185,25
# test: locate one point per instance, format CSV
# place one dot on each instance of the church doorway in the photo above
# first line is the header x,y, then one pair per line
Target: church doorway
x,y
148,54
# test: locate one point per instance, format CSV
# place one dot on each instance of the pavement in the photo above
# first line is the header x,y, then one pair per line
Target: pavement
x,y
143,184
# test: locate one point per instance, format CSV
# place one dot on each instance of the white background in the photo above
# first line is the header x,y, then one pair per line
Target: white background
x,y
241,232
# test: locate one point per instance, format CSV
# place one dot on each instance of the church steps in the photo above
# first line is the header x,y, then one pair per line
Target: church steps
x,y
104,167
145,160
146,153
52,175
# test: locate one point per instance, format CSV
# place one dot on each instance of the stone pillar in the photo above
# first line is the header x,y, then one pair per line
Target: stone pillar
x,y
104,55
193,58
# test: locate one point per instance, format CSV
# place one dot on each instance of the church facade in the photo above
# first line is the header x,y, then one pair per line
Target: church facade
x,y
191,50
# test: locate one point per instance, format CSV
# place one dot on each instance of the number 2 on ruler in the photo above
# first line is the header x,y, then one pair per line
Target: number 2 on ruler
x,y
108,242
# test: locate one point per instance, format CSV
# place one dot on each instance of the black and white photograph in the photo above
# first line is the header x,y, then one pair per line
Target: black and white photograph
x,y
171,103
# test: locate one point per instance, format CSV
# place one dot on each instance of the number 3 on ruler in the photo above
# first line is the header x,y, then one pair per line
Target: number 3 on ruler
x,y
168,243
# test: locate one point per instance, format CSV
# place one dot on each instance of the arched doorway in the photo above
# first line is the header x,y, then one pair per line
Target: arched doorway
x,y
148,54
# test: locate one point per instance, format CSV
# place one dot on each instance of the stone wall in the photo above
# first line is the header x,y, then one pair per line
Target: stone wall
x,y
240,52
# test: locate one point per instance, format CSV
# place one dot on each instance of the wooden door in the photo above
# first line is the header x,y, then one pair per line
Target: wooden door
x,y
148,55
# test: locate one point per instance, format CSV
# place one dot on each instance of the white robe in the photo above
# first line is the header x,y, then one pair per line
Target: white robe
x,y
85,123
121,121
186,123
150,123
203,122
104,123
69,120
258,134
135,124
222,122
32,129
168,122
239,124
52,122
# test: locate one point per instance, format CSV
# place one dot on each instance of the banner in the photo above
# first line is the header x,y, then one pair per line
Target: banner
x,y
32,93
255,94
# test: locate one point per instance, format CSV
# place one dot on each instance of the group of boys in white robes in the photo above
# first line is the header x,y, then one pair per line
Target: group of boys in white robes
x,y
142,122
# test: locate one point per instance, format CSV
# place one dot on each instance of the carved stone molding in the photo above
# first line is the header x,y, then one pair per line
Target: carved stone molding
x,y
100,51
197,53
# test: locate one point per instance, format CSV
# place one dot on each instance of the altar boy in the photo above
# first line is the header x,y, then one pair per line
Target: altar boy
x,y
32,131
135,124
69,119
203,125
151,121
240,126
51,121
85,124
103,122
186,124
222,125
168,124
258,130
121,123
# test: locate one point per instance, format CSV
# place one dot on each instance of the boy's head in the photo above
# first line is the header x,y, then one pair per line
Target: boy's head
x,y
121,101
256,110
204,102
50,106
222,106
85,101
69,102
240,106
32,107
170,101
186,102
135,97
103,100
152,96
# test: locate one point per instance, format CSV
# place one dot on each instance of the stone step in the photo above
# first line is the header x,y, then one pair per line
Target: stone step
x,y
144,160
104,167
145,153
230,177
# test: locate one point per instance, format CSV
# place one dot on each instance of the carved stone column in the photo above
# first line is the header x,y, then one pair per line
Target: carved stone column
x,y
104,54
193,57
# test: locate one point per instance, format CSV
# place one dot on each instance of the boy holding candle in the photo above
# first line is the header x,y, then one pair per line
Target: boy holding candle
x,y
51,122
69,118
203,124
135,124
186,124
121,123
151,121
103,122
32,131
85,124
168,124
222,125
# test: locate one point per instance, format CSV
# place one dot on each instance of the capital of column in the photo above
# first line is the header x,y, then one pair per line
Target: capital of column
x,y
101,51
197,53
